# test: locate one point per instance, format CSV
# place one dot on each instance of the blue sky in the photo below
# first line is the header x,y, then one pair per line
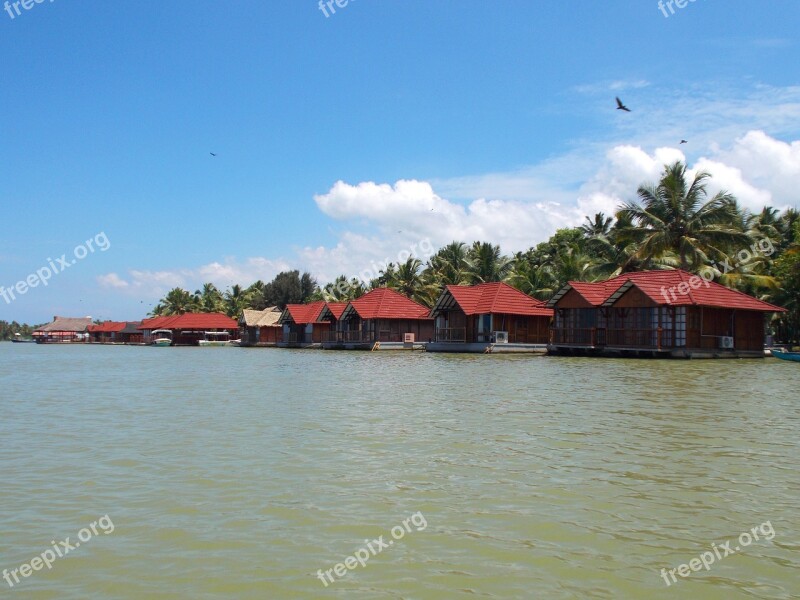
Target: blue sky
x,y
347,139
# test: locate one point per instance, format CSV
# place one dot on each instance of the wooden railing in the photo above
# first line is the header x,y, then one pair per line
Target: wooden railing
x,y
352,337
640,338
576,337
451,334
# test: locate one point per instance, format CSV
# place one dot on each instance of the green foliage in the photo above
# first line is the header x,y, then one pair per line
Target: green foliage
x,y
674,224
8,330
289,287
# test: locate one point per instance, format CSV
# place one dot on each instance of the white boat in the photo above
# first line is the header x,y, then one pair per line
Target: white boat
x,y
215,338
161,337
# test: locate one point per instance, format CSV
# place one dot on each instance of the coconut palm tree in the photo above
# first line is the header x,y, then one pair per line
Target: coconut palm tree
x,y
177,302
599,227
409,281
235,300
487,263
342,290
531,277
208,299
449,266
676,216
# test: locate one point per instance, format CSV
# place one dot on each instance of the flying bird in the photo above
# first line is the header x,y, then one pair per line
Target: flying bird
x,y
621,106
684,142
212,154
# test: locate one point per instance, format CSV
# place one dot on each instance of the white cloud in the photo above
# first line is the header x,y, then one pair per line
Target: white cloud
x,y
727,133
755,168
154,284
112,280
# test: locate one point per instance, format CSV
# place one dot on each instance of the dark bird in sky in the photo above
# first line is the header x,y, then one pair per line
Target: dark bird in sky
x,y
621,106
684,142
212,154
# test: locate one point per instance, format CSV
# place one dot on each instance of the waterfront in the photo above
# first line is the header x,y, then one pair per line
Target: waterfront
x,y
238,473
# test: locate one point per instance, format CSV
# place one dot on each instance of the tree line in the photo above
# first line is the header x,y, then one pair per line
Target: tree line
x,y
672,224
8,330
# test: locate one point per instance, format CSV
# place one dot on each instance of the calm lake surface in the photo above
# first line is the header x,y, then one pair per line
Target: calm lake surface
x,y
239,473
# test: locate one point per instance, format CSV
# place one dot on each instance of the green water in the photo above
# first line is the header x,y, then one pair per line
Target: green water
x,y
239,473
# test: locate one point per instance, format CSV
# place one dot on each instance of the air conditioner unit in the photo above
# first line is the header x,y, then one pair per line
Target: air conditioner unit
x,y
726,342
500,337
408,338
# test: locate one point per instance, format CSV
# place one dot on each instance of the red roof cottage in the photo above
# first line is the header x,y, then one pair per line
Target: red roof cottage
x,y
332,313
382,316
480,317
189,328
113,332
302,325
658,313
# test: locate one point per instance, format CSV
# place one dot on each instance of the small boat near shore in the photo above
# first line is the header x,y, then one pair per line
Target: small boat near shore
x,y
783,355
18,339
215,338
161,338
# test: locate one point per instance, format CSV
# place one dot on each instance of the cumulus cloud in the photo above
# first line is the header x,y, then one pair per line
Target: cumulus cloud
x,y
756,168
154,284
113,281
379,222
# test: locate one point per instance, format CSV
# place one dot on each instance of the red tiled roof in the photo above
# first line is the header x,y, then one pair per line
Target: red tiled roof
x,y
154,323
108,327
337,308
383,303
303,314
191,321
497,298
595,293
662,287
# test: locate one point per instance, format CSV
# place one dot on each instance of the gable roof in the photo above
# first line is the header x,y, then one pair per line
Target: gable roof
x,y
383,303
73,324
662,288
302,314
332,311
107,327
490,298
337,308
153,322
261,318
131,327
191,321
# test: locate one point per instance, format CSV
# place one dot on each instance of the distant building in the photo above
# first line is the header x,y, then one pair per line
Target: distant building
x,y
493,316
658,313
63,330
381,316
115,332
260,327
302,325
189,328
332,313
